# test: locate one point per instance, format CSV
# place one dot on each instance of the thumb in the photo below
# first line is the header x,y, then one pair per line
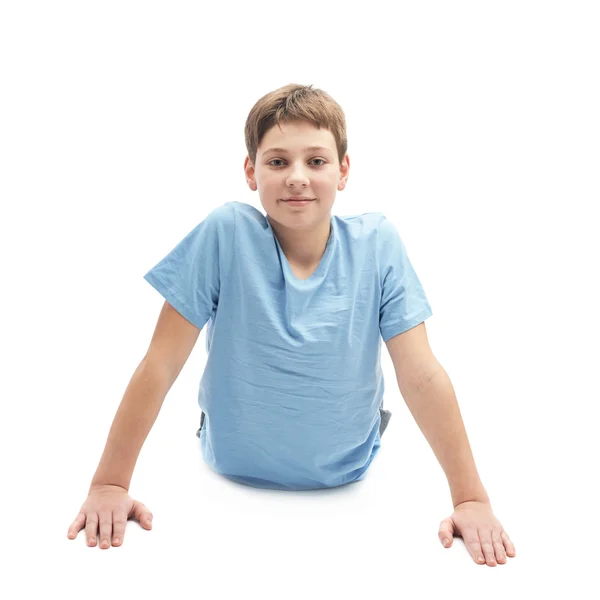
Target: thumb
x,y
142,514
446,532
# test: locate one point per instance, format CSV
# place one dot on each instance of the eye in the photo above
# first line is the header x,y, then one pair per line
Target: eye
x,y
321,159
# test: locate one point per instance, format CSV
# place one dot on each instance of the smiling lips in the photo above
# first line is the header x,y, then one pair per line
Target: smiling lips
x,y
299,203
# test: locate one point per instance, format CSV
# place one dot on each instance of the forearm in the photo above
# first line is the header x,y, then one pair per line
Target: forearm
x,y
436,412
133,421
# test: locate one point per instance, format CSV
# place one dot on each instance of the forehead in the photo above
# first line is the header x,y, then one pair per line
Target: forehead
x,y
297,137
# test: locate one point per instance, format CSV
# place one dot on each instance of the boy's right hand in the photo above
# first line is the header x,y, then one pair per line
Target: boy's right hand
x,y
108,507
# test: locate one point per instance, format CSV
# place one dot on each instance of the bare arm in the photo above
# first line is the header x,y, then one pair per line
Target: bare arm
x,y
135,417
436,412
171,345
430,397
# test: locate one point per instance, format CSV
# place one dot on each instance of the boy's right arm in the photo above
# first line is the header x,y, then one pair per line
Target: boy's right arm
x,y
108,505
172,342
135,417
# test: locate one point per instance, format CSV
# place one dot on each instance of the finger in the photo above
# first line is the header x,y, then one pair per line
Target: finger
x,y
510,549
446,532
76,526
142,514
91,528
105,528
498,546
119,524
473,545
146,520
485,536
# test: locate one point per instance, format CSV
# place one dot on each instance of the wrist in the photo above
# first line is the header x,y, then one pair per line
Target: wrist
x,y
474,492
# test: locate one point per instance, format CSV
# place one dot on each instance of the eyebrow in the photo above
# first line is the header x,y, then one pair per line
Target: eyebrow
x,y
309,149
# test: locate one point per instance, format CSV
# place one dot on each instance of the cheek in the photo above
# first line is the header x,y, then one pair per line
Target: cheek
x,y
328,179
268,182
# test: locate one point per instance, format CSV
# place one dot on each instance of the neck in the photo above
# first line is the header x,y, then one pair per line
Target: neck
x,y
303,247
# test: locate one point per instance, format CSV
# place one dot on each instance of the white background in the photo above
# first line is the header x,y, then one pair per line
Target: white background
x,y
474,126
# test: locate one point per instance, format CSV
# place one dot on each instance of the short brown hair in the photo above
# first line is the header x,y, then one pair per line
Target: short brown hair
x,y
294,102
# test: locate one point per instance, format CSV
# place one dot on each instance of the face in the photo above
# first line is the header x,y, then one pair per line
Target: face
x,y
295,171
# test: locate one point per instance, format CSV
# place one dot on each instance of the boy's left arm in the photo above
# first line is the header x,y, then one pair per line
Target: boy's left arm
x,y
429,395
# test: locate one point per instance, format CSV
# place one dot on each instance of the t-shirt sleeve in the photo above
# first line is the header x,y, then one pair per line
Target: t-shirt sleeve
x,y
403,303
189,277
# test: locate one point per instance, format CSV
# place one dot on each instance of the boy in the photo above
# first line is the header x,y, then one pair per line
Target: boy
x,y
292,394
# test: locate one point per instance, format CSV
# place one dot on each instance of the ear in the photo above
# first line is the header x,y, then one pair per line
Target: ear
x,y
344,172
250,176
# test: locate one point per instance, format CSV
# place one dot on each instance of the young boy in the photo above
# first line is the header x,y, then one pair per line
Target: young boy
x,y
297,303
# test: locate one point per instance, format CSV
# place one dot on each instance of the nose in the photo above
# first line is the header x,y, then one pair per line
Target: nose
x,y
297,176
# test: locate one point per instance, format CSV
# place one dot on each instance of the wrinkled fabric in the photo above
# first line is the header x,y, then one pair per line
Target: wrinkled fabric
x,y
292,389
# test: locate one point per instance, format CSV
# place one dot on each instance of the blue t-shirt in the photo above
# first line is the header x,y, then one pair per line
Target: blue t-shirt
x,y
293,384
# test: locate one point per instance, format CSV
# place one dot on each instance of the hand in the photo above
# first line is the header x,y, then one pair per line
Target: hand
x,y
481,531
108,505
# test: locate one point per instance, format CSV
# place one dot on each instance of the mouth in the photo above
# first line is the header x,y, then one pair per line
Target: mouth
x,y
298,201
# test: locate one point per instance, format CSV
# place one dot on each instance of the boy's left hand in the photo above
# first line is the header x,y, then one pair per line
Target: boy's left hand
x,y
481,531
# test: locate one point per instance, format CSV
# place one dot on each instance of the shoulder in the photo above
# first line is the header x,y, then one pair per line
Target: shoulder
x,y
387,232
224,214
385,226
373,227
361,225
238,214
219,222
